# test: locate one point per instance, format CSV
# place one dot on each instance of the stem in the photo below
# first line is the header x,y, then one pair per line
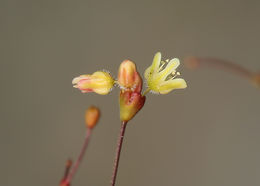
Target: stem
x,y
64,182
118,151
81,155
67,168
219,63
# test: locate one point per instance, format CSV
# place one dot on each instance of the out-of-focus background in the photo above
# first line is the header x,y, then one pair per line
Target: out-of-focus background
x,y
205,135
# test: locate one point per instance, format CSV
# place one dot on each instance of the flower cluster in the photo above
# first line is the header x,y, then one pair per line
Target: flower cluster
x,y
160,78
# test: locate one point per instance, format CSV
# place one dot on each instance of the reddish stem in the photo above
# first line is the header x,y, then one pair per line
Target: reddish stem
x,y
66,172
118,152
67,169
194,62
81,155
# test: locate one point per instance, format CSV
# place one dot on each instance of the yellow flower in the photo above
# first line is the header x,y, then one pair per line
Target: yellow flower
x,y
99,82
160,76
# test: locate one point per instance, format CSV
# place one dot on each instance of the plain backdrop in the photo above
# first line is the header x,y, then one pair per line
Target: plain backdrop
x,y
205,135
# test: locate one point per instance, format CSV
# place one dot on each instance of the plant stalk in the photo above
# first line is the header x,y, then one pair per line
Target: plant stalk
x,y
81,155
118,152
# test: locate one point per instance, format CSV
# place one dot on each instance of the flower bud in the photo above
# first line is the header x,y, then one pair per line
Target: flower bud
x,y
130,103
99,82
128,77
92,116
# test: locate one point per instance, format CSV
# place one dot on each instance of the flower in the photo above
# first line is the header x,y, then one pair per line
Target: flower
x,y
128,77
131,99
160,76
99,82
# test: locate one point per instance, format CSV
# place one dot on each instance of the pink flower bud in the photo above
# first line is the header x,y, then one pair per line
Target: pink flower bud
x,y
99,82
128,77
92,116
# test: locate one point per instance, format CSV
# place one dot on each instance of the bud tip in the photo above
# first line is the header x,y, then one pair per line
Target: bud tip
x,y
92,116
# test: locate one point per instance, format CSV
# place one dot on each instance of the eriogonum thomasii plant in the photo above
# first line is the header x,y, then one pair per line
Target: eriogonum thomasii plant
x,y
160,78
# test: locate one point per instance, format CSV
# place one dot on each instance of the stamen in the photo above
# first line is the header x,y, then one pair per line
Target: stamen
x,y
163,65
173,75
176,74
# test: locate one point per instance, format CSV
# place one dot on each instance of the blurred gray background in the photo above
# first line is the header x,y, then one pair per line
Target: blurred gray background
x,y
205,135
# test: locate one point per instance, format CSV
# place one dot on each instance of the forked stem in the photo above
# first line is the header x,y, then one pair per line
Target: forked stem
x,y
118,152
81,155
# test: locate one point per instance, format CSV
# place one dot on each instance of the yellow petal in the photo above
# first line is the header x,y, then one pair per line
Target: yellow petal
x,y
170,85
170,68
77,79
156,62
102,82
147,73
99,82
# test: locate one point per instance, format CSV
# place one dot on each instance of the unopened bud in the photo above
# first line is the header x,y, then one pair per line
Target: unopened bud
x,y
92,116
130,103
128,77
99,82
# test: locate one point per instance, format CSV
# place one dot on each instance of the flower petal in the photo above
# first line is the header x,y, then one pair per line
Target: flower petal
x,y
102,82
79,78
147,73
170,68
156,62
99,82
170,85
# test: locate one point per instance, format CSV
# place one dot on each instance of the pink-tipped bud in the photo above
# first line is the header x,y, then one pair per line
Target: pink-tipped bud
x,y
128,77
99,82
130,103
92,117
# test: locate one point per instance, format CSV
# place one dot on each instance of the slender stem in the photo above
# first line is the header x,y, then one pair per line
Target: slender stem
x,y
66,172
228,66
118,151
81,155
67,168
193,62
